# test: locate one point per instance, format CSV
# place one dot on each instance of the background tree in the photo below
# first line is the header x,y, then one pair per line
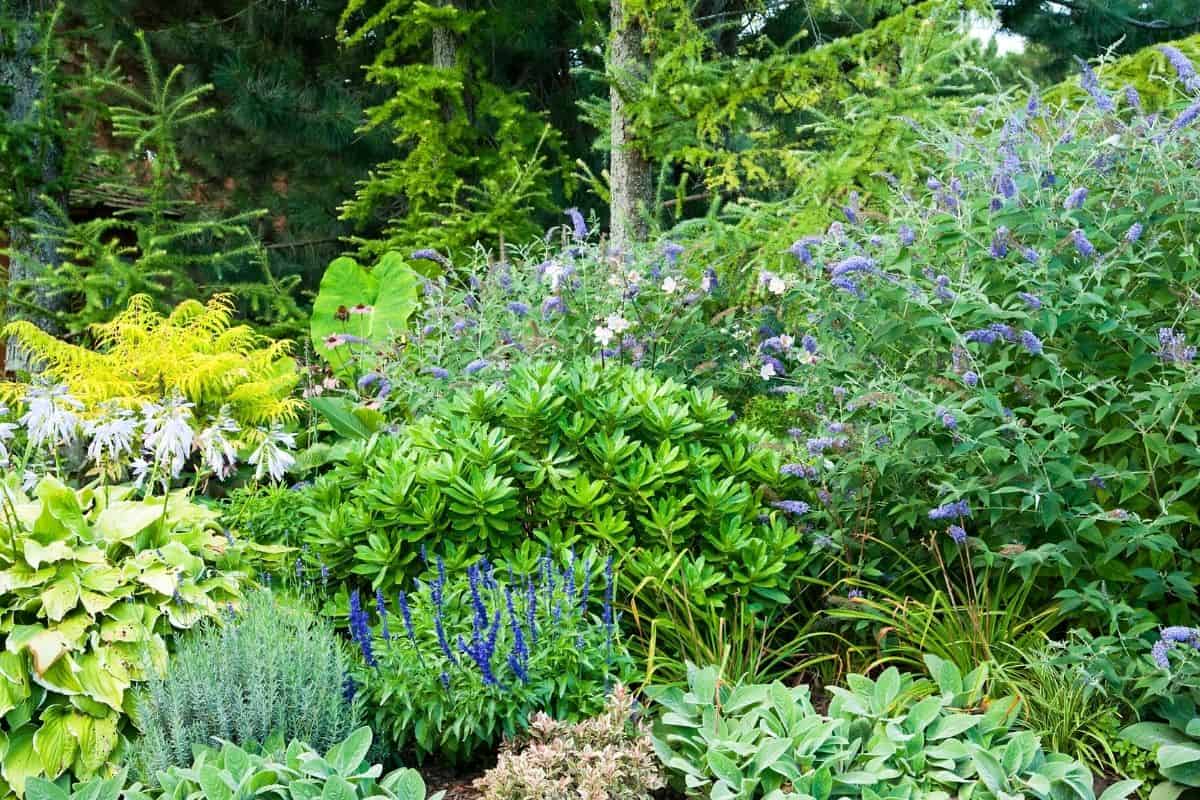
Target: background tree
x,y
31,152
1069,29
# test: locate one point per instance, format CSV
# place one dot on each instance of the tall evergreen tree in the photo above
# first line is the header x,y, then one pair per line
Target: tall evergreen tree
x,y
1069,29
31,153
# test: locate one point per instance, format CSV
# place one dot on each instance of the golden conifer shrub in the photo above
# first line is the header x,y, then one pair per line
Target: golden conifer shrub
x,y
195,351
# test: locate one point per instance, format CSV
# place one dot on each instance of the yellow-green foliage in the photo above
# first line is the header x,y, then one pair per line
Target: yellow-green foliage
x,y
142,355
1146,70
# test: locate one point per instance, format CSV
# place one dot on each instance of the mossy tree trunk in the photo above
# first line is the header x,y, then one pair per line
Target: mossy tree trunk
x,y
629,172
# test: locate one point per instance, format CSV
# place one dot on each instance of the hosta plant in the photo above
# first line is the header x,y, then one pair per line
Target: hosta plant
x,y
92,583
611,457
895,736
458,664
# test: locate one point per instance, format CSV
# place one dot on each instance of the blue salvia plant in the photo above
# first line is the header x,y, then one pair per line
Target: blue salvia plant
x,y
457,662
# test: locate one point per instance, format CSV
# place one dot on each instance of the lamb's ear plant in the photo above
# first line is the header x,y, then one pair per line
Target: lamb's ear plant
x,y
894,736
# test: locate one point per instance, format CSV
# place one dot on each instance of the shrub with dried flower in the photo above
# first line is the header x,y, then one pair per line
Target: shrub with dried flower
x,y
606,757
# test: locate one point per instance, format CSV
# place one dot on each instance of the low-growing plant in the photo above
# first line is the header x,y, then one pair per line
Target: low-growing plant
x,y
465,663
895,736
92,583
612,457
271,670
228,772
606,757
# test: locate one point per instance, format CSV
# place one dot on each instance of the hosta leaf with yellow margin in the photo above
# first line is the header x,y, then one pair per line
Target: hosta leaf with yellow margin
x,y
60,596
14,681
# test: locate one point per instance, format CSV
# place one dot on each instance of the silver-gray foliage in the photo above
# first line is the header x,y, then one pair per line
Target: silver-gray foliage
x,y
270,673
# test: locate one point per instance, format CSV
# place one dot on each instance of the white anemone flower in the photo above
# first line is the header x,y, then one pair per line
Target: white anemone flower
x,y
168,434
271,457
50,417
217,451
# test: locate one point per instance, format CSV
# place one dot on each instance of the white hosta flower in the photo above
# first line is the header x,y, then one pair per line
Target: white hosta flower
x,y
50,417
168,434
617,324
706,283
670,285
271,457
776,285
111,437
141,471
786,341
603,335
7,431
29,481
767,371
635,277
216,450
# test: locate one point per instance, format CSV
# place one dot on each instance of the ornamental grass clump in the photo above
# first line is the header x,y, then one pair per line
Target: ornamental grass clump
x,y
453,666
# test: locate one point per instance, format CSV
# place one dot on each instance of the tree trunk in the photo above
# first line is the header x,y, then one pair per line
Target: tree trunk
x,y
30,253
629,173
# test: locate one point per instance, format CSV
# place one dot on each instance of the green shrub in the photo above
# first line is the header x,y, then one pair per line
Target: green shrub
x,y
270,670
92,583
466,662
611,456
607,757
890,737
227,773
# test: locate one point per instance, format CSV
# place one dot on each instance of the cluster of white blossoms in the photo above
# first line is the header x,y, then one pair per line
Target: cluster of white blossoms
x,y
155,443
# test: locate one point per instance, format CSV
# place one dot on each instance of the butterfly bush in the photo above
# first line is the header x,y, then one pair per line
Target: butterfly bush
x,y
559,299
453,665
1007,354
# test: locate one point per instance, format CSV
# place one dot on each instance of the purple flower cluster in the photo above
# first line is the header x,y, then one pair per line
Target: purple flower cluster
x,y
360,629
1183,68
1091,85
794,507
1168,638
1173,347
953,510
579,229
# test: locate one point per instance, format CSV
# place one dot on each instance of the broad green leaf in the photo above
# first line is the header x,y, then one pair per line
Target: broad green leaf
x,y
54,743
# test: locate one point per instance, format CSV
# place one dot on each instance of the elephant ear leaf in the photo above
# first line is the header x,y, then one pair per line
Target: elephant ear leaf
x,y
373,304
